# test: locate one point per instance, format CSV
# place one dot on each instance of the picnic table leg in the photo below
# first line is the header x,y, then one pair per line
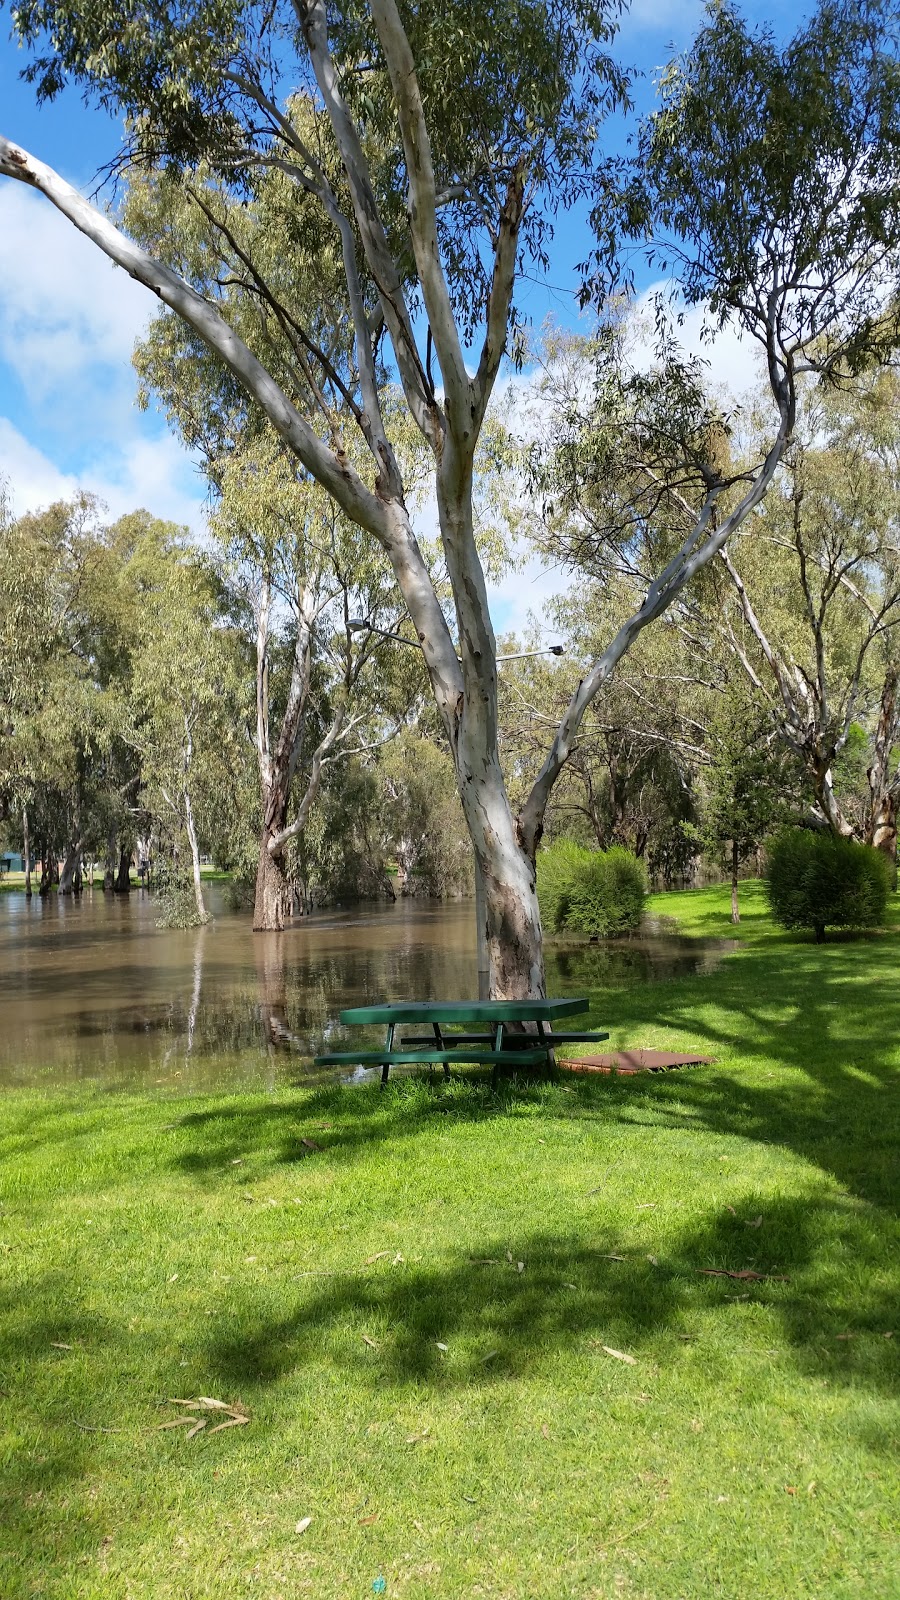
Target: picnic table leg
x,y
439,1040
551,1053
389,1045
498,1046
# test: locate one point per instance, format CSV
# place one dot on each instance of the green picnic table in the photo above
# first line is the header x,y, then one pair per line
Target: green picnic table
x,y
492,1045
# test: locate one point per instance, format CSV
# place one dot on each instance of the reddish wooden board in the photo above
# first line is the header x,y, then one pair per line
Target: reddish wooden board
x,y
627,1061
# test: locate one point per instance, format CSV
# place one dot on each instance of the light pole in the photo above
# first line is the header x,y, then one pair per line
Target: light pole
x,y
359,625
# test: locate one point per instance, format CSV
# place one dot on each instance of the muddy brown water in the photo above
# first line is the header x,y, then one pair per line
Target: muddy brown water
x,y
90,988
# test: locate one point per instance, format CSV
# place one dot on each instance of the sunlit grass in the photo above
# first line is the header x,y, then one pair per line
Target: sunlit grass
x,y
346,1265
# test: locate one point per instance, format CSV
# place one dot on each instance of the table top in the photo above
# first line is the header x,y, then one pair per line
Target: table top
x,y
467,1011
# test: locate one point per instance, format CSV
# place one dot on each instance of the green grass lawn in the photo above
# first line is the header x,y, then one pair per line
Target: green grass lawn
x,y
417,1307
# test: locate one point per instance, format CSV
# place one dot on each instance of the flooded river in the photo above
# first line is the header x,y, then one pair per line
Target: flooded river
x,y
90,988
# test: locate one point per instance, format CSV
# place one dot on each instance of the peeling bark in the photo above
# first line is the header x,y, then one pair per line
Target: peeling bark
x,y
274,898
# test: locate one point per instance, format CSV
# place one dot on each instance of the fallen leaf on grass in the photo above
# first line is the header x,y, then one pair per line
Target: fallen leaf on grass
x,y
366,1522
789,1489
56,1345
731,1209
416,1438
612,1258
398,1260
174,1278
647,1205
717,1272
378,1256
620,1355
653,1261
441,1346
570,1286
235,1416
545,1431
845,1336
484,1261
888,1335
756,1223
489,1357
370,1342
520,1266
303,1524
310,1144
811,1487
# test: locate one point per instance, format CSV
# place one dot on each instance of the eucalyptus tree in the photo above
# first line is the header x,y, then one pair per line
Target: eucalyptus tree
x,y
317,592
438,142
185,686
810,604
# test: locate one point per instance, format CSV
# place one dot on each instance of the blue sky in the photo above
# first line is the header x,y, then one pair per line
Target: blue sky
x,y
69,320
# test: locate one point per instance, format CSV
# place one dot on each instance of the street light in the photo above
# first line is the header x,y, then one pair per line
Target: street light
x,y
359,625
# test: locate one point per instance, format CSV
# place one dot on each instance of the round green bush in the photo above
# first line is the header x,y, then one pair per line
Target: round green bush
x,y
817,881
598,892
557,867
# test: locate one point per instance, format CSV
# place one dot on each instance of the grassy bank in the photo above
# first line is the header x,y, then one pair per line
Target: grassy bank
x,y
417,1297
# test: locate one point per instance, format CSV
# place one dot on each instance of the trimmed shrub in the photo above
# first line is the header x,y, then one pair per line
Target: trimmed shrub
x,y
557,868
598,892
817,881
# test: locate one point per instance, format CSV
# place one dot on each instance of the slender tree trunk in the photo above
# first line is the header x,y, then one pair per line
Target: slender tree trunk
x,y
202,912
26,841
735,908
109,875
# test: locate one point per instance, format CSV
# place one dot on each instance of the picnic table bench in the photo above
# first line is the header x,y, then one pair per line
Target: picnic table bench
x,y
493,1045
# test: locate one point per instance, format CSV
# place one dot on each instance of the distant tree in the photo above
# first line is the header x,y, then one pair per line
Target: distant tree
x,y
746,788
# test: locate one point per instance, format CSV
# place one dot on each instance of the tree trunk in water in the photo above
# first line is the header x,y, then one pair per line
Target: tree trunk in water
x,y
735,908
26,841
272,905
49,870
109,875
71,872
202,912
122,884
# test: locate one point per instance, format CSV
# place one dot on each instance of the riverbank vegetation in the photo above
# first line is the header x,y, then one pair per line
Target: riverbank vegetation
x,y
587,1337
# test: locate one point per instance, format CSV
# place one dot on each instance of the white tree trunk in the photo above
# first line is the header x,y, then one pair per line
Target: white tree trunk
x,y
202,912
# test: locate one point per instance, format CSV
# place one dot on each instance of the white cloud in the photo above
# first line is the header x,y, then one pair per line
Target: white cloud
x,y
68,324
65,311
148,473
734,360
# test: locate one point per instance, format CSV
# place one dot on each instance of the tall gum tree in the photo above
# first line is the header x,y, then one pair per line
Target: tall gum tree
x,y
445,139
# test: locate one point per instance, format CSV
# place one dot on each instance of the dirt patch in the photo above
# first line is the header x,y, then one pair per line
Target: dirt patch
x,y
628,1061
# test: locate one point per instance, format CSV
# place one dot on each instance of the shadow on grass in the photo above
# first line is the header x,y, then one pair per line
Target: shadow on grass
x,y
499,1322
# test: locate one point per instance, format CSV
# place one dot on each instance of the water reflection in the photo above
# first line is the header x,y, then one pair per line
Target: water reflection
x,y
92,989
